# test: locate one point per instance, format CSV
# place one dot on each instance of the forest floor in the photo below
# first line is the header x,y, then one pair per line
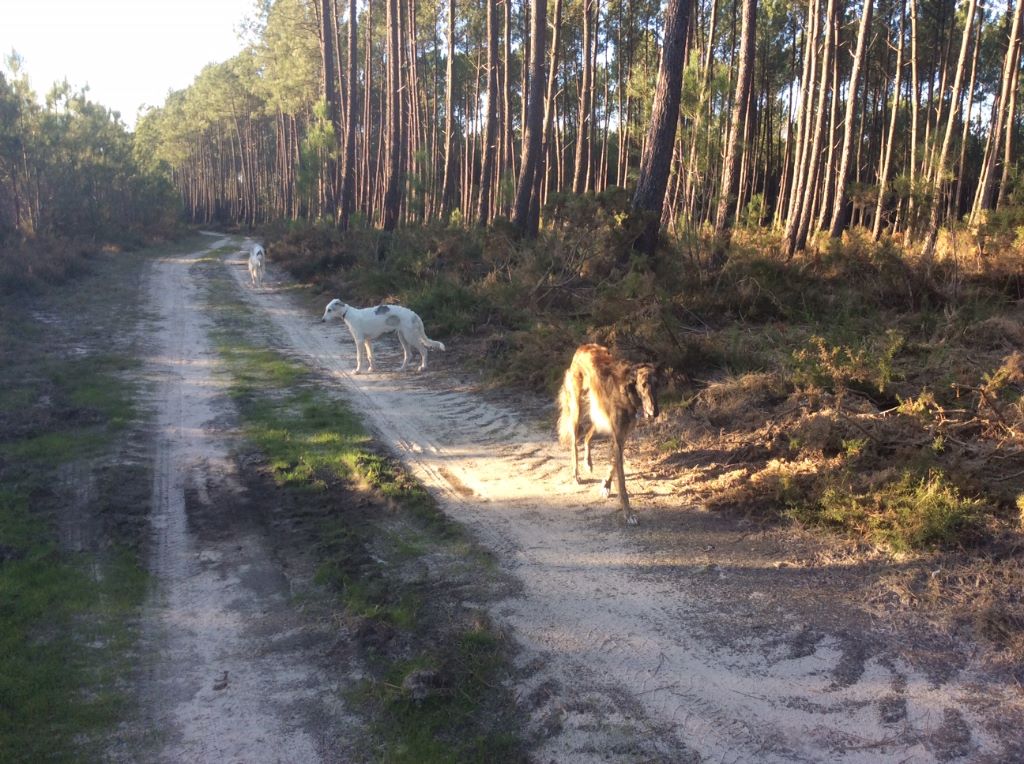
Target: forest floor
x,y
695,636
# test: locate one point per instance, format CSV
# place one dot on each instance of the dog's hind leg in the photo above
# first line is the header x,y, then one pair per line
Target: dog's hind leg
x,y
405,350
586,448
575,419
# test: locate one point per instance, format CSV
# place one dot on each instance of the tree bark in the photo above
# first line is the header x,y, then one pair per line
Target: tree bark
x,y
649,198
328,55
730,178
349,173
579,182
541,174
449,119
806,180
1011,112
490,147
534,120
928,248
839,215
883,175
395,133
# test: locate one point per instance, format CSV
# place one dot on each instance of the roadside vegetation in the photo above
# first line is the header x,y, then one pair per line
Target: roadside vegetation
x,y
72,514
398,569
70,187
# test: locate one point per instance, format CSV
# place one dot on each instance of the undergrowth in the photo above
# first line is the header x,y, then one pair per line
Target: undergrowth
x,y
850,333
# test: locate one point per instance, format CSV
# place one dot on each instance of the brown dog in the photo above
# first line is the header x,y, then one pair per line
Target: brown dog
x,y
618,392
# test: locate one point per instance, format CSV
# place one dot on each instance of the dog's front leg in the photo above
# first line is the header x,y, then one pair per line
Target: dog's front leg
x,y
359,341
620,474
369,355
606,485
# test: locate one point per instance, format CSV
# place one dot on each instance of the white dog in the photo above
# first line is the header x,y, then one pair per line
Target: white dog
x,y
367,324
256,265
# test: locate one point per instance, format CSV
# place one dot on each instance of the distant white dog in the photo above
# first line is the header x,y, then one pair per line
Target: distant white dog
x,y
257,265
367,324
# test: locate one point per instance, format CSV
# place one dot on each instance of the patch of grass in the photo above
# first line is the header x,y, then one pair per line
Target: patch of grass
x,y
55,448
56,411
97,383
909,514
427,702
310,443
62,641
63,652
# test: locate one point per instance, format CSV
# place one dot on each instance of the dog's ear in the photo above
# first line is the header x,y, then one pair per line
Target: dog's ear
x,y
628,390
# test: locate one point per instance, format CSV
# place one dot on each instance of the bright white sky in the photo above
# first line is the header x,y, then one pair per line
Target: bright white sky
x,y
128,52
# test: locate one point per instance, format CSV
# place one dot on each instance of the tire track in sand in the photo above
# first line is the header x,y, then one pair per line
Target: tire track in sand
x,y
231,675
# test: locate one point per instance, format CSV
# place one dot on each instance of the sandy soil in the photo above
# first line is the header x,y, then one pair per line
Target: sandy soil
x,y
690,638
234,672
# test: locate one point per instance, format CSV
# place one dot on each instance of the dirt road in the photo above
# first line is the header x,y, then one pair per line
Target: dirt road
x,y
234,673
689,638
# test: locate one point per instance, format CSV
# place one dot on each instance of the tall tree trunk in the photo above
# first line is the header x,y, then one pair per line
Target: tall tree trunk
x,y
839,216
928,248
543,161
1011,112
348,180
826,187
986,197
730,178
956,198
702,106
449,119
330,93
883,175
395,133
808,81
579,182
369,167
914,101
412,198
649,198
507,152
490,147
533,125
806,180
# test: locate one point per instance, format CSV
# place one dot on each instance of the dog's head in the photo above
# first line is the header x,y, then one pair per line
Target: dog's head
x,y
647,380
335,308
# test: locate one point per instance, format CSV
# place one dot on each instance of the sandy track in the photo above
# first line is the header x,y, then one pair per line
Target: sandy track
x,y
618,655
233,675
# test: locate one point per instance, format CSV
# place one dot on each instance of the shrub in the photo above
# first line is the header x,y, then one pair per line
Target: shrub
x,y
909,513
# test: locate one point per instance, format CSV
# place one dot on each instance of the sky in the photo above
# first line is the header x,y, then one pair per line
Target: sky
x,y
128,52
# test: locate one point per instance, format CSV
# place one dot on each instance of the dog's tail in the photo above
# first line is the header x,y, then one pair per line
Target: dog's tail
x,y
425,341
566,426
